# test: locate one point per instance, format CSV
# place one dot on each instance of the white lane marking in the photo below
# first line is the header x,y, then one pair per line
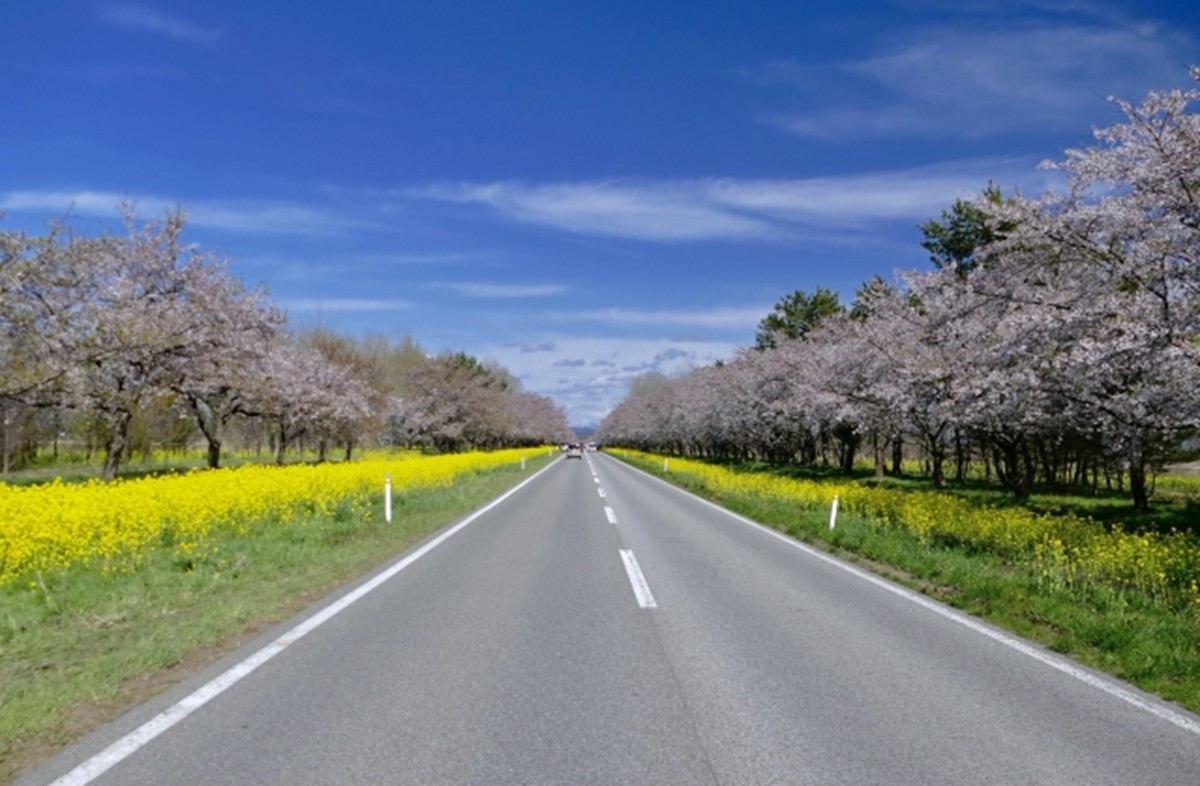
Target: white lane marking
x,y
610,514
1060,664
597,480
600,491
641,590
129,744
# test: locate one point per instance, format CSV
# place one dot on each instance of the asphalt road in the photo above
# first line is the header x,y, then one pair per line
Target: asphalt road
x,y
597,626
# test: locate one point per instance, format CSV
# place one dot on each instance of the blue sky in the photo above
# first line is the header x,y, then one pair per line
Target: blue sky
x,y
579,191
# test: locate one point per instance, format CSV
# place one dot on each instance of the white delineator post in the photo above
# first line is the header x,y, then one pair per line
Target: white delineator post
x,y
522,462
833,513
666,465
387,498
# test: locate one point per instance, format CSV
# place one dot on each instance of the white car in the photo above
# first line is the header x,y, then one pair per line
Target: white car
x,y
574,451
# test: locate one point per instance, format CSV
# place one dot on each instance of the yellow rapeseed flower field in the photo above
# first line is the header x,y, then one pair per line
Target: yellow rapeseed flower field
x,y
113,526
1063,549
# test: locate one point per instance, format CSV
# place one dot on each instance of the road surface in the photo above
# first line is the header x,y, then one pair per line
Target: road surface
x,y
597,626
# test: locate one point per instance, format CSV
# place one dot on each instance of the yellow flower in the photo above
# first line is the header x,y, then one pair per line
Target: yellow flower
x,y
113,526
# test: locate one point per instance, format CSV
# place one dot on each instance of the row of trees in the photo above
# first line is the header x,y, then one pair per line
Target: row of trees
x,y
1058,338
138,336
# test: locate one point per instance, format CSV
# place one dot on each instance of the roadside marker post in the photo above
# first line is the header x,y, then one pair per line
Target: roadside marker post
x,y
387,498
833,513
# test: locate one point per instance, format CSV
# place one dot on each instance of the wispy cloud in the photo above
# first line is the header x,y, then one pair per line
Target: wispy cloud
x,y
419,258
144,18
88,203
342,305
718,318
270,218
638,210
247,216
965,78
500,291
731,209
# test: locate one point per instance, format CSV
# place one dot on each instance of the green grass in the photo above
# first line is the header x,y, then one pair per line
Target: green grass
x,y
1132,637
79,648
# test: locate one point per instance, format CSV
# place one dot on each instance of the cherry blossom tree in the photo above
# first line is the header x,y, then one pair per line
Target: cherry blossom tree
x,y
1124,247
40,278
235,338
454,402
143,314
1057,331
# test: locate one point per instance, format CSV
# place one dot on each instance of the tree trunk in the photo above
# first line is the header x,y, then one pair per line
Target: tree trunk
x,y
937,469
961,454
118,439
850,441
1009,466
1137,475
6,423
935,448
1029,467
210,426
281,445
878,449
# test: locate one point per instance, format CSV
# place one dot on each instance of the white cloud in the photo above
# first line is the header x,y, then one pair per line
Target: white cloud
x,y
670,211
416,258
342,305
590,376
545,346
731,209
719,318
862,198
981,78
269,218
246,216
144,18
89,203
500,291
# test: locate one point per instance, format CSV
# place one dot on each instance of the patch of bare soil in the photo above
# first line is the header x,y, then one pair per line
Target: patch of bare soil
x,y
941,592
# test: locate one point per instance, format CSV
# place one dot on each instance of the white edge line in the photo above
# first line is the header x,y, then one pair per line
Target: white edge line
x,y
115,753
641,590
1061,664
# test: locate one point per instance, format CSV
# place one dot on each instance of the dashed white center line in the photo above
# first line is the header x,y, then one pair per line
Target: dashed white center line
x,y
641,590
610,514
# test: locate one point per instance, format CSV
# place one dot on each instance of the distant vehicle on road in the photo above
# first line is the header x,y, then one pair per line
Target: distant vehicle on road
x,y
574,450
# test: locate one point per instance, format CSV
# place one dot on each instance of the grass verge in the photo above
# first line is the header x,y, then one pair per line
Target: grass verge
x,y
1123,633
80,648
